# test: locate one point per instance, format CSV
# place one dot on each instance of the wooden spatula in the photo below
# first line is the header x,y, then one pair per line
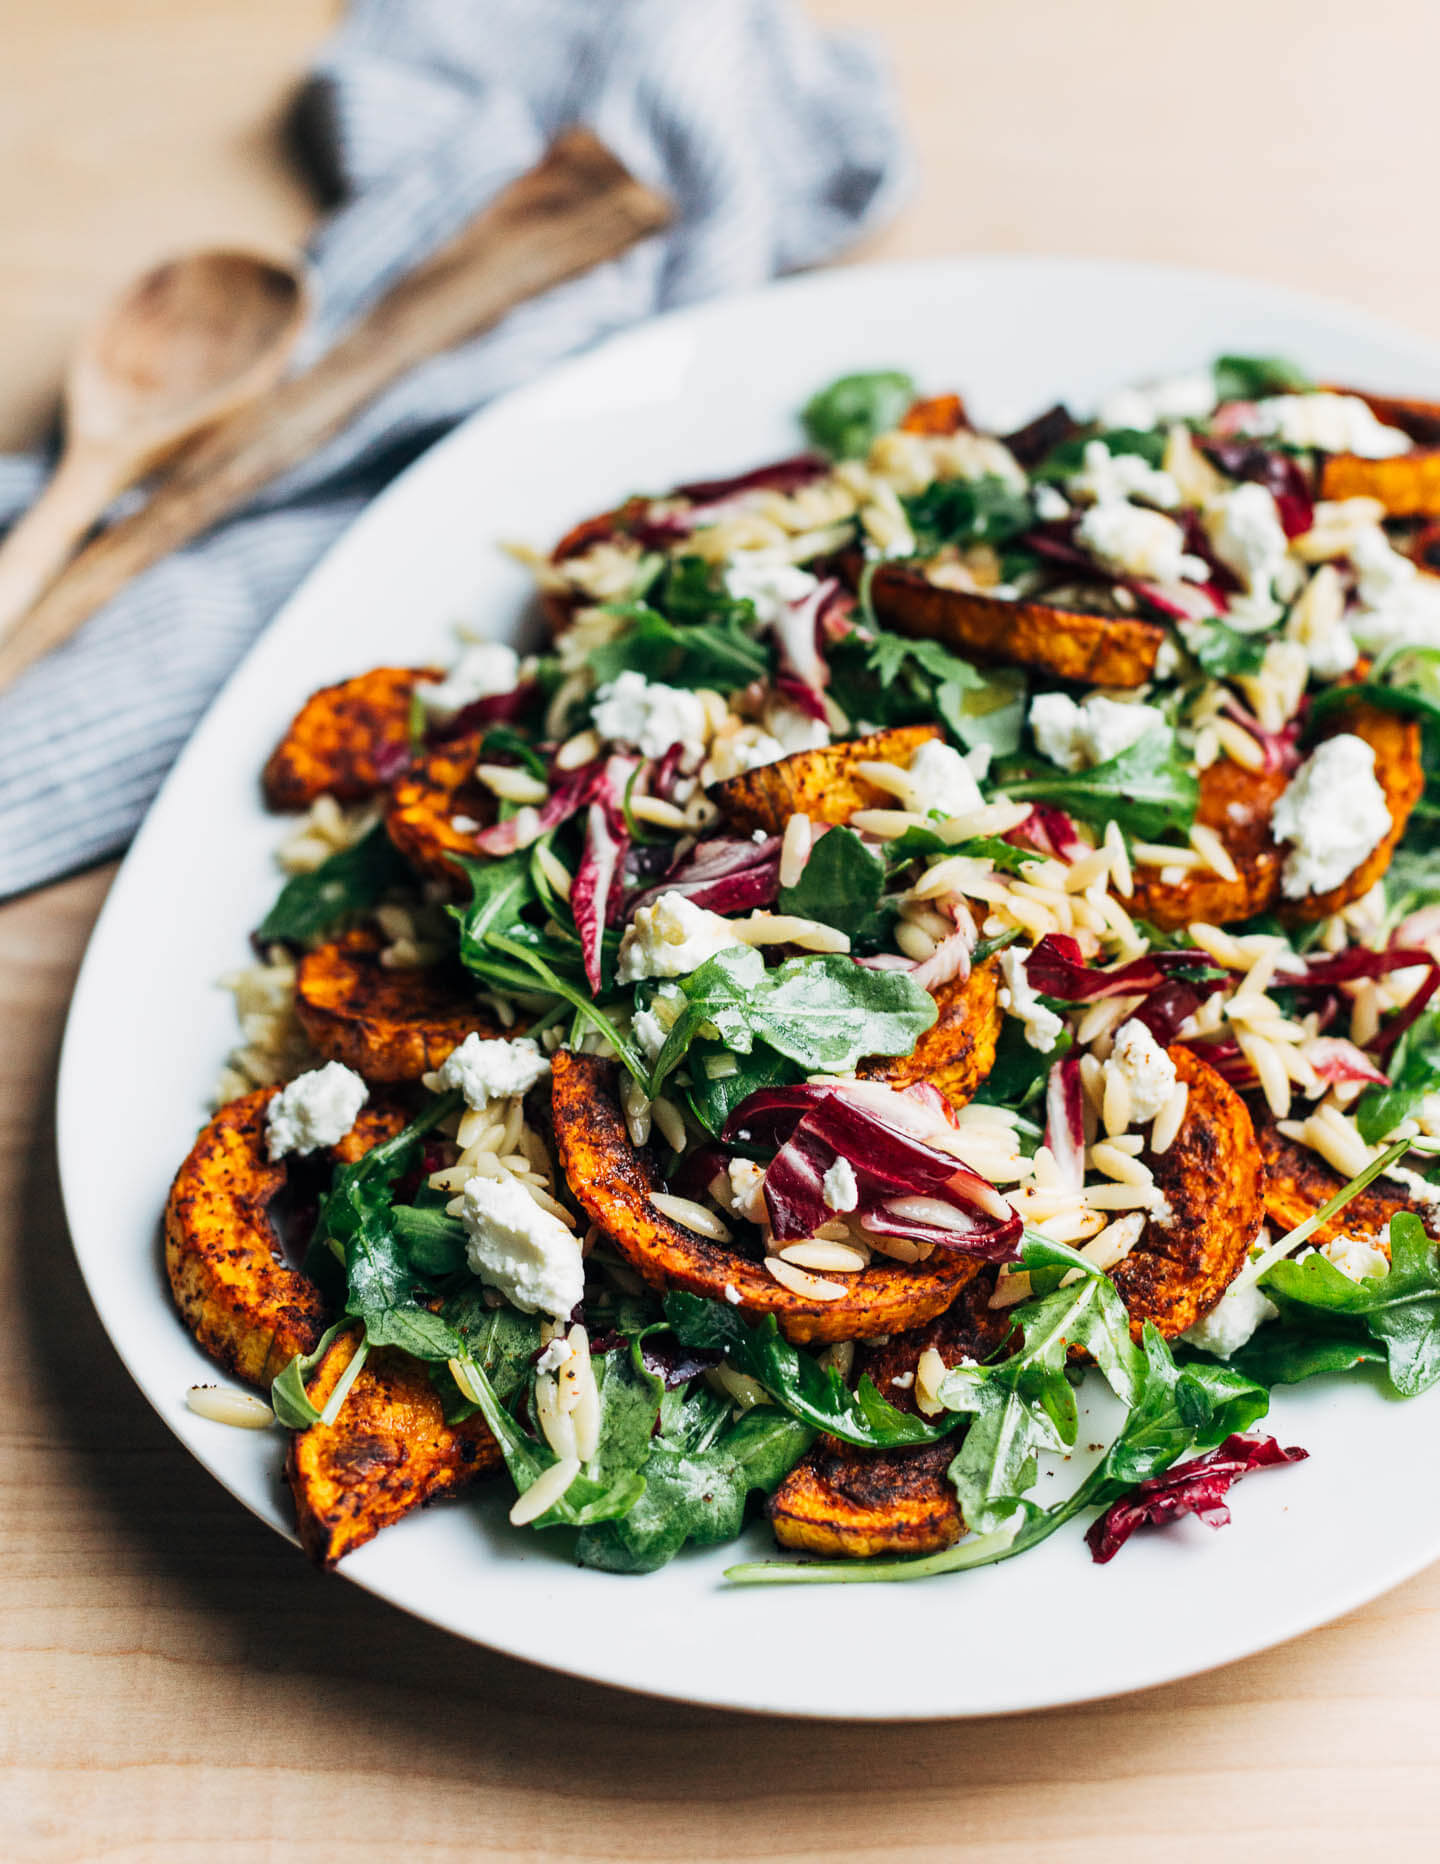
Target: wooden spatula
x,y
576,208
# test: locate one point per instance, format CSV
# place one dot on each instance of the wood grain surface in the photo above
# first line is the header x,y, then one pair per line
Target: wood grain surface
x,y
179,1685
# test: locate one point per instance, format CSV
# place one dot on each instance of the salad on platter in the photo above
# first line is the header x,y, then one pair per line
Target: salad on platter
x,y
945,926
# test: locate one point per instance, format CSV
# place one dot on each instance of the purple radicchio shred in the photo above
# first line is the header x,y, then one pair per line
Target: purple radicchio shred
x,y
498,709
724,874
597,895
1038,438
573,790
1281,474
1197,1487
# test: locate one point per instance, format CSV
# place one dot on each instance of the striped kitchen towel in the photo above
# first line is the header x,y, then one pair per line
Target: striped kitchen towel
x,y
779,145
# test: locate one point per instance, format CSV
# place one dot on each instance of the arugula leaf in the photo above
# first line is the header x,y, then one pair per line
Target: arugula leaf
x,y
721,654
501,1340
988,510
840,885
289,1399
1064,461
1252,378
996,1465
1175,1410
845,417
1414,1073
796,1381
1222,651
824,1012
1284,1354
351,881
903,681
1020,1071
1400,1309
1005,856
587,1500
357,1216
698,1493
1149,789
713,1098
499,893
434,1243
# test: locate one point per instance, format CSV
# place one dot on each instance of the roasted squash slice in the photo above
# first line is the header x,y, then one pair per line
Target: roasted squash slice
x,y
613,1182
1097,650
346,741
425,801
1408,486
1213,1179
388,1453
840,1502
935,414
387,1025
1298,1182
1237,804
247,1308
957,1051
825,784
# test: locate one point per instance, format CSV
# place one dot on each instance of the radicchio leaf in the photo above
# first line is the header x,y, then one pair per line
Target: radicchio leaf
x,y
797,636
1280,473
713,500
1056,968
1281,748
1334,1059
567,798
1197,1487
596,895
1065,1122
498,709
724,875
1049,831
1346,966
909,1186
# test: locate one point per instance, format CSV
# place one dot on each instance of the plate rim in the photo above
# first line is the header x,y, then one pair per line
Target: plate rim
x,y
1361,323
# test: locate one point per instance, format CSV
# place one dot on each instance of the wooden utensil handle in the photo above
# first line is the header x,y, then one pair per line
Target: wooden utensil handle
x,y
42,537
576,207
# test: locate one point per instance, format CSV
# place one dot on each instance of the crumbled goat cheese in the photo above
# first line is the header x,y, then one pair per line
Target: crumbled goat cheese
x,y
558,1353
315,1109
1396,601
1110,478
1050,504
1355,1256
771,583
1232,1323
647,714
493,1070
1077,736
1333,813
650,1033
764,749
1131,541
1330,424
941,779
1246,534
747,1189
795,730
1148,1071
515,1246
839,1187
1180,398
672,938
482,672
1042,1026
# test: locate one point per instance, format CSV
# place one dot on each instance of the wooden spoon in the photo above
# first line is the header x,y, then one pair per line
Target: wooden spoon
x,y
576,208
187,344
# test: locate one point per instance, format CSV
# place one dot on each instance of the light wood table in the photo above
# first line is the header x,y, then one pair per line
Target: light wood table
x,y
178,1684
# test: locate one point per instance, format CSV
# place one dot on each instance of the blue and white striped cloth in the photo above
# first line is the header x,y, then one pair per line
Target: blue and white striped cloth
x,y
778,143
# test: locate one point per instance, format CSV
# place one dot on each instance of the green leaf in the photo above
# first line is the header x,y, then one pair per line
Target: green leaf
x,y
1283,1354
988,510
1223,652
1149,789
501,1340
1414,1073
351,881
1252,378
1400,1309
713,1098
847,416
587,1500
1020,1071
840,885
698,1495
825,1013
721,654
996,1465
796,1381
499,893
1064,461
357,1216
289,1399
433,1242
